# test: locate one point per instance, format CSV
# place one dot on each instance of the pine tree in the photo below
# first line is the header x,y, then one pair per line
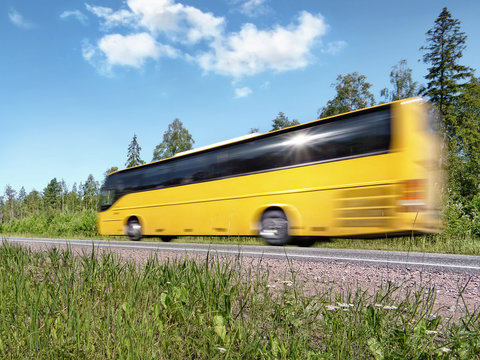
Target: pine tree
x,y
282,121
33,202
353,92
444,48
73,199
22,195
176,139
64,191
10,195
133,156
90,193
52,194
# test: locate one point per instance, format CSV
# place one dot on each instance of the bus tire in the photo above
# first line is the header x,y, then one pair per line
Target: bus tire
x,y
274,228
134,229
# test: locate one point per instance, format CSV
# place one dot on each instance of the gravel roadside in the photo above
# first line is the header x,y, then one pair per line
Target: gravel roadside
x,y
455,292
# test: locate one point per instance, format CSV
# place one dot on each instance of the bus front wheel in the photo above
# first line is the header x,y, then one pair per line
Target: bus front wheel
x,y
274,228
134,229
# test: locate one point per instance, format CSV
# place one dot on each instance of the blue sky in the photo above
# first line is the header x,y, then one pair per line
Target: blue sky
x,y
79,78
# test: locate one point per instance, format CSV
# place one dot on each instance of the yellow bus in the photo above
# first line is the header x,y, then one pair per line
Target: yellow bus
x,y
371,172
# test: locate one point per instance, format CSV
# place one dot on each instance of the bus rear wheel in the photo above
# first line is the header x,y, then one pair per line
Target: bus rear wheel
x,y
134,229
274,228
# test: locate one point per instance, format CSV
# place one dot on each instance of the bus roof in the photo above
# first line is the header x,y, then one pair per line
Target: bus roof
x,y
239,138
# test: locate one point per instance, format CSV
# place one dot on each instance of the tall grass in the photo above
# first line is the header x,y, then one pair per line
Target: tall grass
x,y
54,305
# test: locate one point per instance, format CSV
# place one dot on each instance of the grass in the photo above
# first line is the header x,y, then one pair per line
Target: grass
x,y
54,305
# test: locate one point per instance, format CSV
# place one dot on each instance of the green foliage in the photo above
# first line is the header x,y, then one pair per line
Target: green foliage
x,y
8,211
52,194
403,85
464,145
176,139
444,48
463,220
56,212
82,223
460,105
133,156
90,191
56,304
74,199
22,195
282,121
353,92
33,202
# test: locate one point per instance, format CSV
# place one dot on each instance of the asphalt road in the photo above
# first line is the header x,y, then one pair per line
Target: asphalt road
x,y
439,262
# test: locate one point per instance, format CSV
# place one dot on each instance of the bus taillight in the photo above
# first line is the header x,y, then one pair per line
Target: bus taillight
x,y
413,196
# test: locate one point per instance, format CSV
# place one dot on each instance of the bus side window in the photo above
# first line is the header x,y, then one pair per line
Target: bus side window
x,y
203,167
132,180
223,164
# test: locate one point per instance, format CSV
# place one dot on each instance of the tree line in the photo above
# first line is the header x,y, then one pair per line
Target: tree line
x,y
55,211
450,85
55,197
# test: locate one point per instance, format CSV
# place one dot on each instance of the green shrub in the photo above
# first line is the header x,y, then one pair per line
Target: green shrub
x,y
54,224
463,220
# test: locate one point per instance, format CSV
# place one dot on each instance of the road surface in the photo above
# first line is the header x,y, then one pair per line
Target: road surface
x,y
409,260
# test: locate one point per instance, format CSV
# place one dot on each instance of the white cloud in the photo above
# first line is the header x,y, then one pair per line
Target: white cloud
x,y
112,18
203,39
161,15
203,25
252,51
182,23
334,47
18,20
242,92
131,50
76,14
253,7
